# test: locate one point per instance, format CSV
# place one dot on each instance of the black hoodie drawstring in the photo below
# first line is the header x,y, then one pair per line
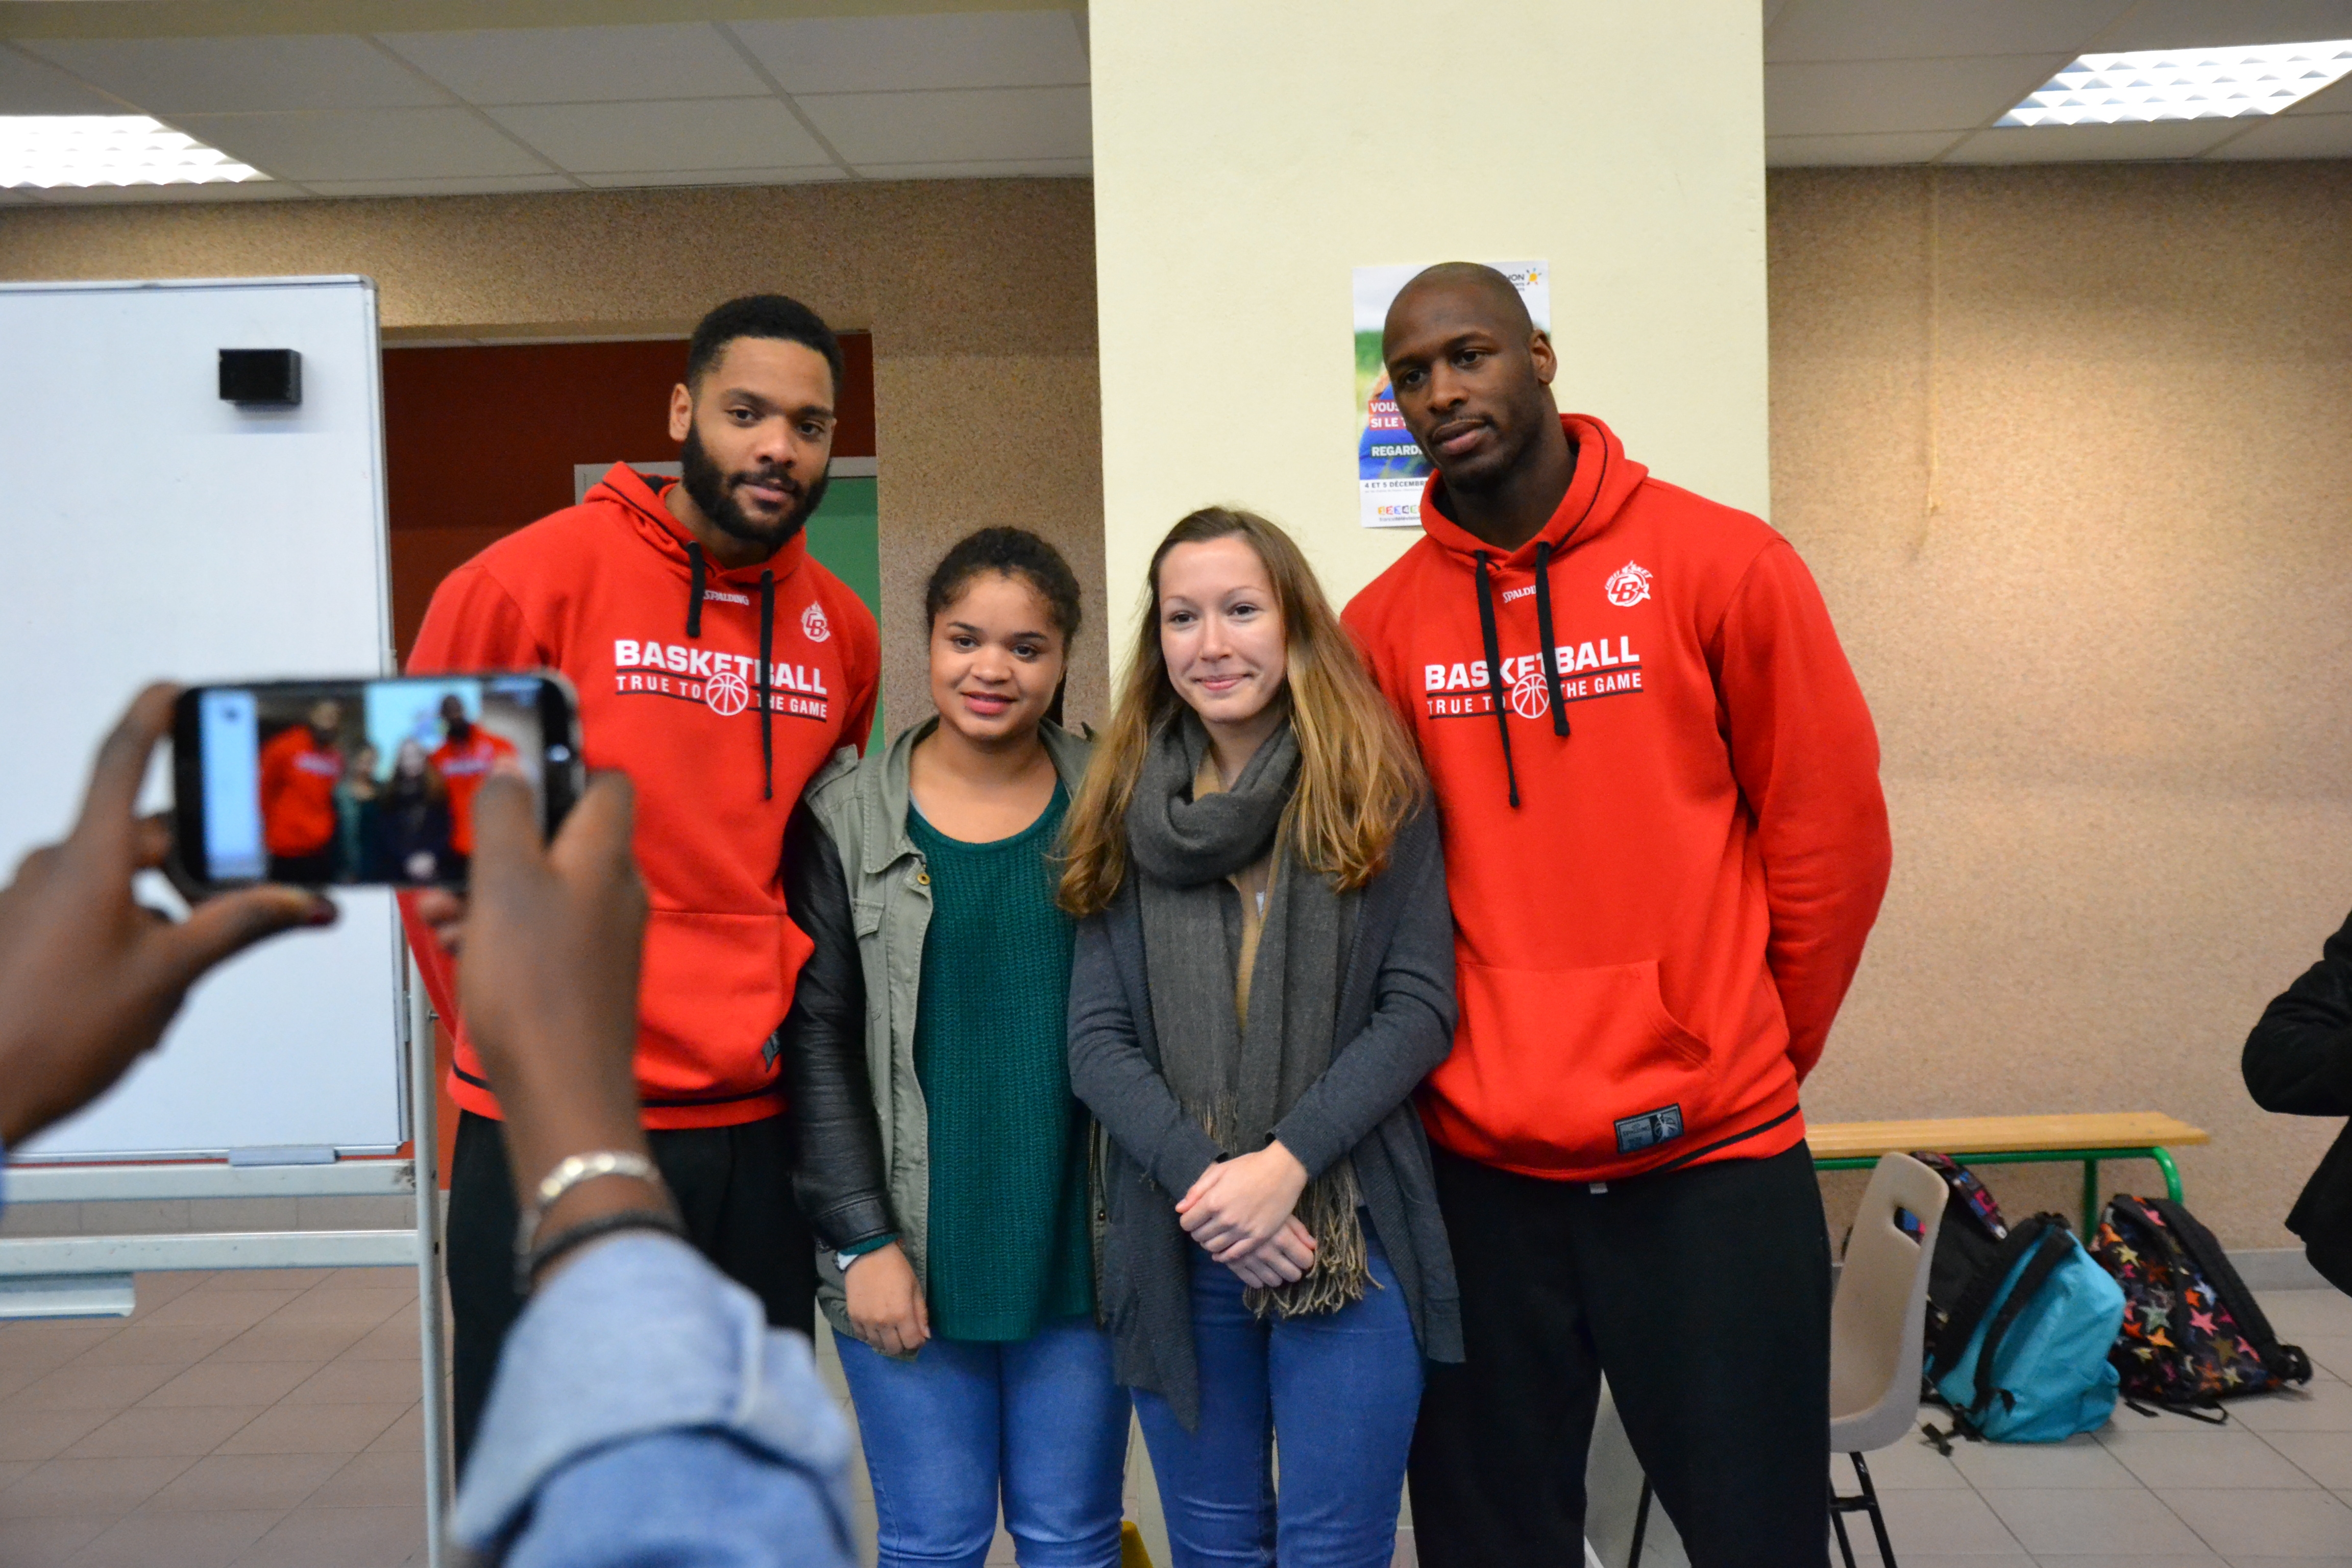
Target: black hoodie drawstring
x,y
1547,654
694,594
767,673
1495,672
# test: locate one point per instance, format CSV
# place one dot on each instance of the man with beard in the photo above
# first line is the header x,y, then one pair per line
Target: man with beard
x,y
718,665
467,755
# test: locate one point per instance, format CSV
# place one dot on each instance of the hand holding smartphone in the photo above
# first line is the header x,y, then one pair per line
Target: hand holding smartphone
x,y
361,783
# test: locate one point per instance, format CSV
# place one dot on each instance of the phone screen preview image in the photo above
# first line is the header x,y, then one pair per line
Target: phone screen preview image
x,y
347,782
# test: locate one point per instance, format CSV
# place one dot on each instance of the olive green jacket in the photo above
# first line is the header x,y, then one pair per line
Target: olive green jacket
x,y
857,888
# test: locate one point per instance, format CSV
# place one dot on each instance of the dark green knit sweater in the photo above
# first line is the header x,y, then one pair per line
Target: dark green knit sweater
x,y
1007,1238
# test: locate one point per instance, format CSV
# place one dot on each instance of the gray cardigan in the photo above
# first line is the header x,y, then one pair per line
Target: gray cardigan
x,y
1395,1022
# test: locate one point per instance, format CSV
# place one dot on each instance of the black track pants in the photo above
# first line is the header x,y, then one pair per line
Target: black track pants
x,y
733,1185
1704,1294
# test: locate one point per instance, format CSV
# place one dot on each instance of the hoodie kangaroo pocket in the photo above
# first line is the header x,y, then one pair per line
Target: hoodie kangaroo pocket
x,y
1571,1068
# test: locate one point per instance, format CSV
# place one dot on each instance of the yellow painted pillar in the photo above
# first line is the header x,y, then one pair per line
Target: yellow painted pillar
x,y
1250,153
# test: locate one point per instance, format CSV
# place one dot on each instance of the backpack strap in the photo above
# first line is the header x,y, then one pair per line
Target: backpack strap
x,y
2286,1362
2052,1245
1952,1340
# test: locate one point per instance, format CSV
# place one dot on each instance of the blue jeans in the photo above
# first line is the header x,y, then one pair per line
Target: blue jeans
x,y
1039,1420
1339,1392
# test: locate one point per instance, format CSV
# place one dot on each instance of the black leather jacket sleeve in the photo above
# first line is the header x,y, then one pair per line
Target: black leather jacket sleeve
x,y
2299,1057
837,1175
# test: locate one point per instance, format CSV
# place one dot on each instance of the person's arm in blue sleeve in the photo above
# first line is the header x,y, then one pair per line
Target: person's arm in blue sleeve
x,y
645,1414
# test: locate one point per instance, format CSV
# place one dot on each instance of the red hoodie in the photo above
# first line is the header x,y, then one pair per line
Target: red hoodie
x,y
665,653
297,793
1661,887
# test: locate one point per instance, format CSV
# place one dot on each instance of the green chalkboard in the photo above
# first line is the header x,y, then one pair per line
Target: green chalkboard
x,y
846,535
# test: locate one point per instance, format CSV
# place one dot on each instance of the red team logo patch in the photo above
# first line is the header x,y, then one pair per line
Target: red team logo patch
x,y
727,694
813,626
1627,586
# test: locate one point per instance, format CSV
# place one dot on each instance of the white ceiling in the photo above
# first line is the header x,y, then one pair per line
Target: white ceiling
x,y
1005,92
697,103
1919,81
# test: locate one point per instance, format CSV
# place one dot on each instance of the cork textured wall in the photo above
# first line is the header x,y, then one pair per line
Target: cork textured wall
x,y
980,295
2070,449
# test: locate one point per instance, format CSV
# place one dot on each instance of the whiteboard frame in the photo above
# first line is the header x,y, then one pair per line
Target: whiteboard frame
x,y
395,956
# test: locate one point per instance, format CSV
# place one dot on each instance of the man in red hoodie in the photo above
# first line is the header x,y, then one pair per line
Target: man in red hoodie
x,y
718,665
1665,845
467,756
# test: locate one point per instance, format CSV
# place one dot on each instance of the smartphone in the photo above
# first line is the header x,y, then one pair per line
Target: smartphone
x,y
344,783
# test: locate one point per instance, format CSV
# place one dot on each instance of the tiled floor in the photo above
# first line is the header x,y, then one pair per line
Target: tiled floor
x,y
271,1418
248,1417
2274,1487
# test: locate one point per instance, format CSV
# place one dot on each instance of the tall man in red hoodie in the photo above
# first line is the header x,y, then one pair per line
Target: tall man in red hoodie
x,y
718,665
1666,843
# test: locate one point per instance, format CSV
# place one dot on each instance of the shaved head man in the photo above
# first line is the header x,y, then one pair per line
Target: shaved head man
x,y
1664,844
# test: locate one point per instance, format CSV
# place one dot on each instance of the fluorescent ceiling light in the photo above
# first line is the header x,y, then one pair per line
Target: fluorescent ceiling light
x,y
2183,84
51,150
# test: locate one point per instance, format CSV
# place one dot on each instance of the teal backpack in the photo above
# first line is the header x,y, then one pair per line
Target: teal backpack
x,y
2024,1357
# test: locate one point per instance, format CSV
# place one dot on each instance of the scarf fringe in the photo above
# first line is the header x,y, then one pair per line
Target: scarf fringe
x,y
1342,1269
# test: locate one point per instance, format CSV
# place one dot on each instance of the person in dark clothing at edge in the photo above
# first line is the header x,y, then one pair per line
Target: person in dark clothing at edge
x,y
718,665
2298,1061
1665,845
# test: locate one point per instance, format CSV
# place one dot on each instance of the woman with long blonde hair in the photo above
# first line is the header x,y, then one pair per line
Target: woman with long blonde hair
x,y
1263,973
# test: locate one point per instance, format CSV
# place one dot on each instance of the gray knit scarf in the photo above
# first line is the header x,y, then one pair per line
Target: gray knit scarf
x,y
1238,1077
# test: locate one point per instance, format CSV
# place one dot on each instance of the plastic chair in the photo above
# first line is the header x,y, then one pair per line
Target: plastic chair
x,y
1878,1325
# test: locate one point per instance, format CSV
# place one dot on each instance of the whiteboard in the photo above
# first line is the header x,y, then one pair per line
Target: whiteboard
x,y
152,531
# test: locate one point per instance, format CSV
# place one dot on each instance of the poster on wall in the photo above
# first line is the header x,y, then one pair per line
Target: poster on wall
x,y
1390,469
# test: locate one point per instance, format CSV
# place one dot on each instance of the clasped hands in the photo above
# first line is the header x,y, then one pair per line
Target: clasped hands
x,y
1239,1211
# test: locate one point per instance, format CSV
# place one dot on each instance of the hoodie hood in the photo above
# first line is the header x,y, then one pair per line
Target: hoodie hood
x,y
648,512
1604,480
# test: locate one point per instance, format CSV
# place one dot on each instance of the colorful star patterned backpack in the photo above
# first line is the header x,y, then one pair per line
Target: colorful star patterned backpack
x,y
2193,1335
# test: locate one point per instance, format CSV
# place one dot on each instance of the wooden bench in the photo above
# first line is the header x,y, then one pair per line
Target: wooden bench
x,y
2016,1140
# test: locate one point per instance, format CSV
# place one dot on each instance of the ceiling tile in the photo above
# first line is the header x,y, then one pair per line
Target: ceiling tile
x,y
701,133
135,195
28,86
1875,147
1923,29
2292,136
173,77
1016,168
460,185
364,143
805,174
934,127
2181,24
2092,144
1855,96
581,64
882,54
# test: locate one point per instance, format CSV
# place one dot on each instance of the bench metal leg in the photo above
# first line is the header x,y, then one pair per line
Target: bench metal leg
x,y
2163,1159
2090,1198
